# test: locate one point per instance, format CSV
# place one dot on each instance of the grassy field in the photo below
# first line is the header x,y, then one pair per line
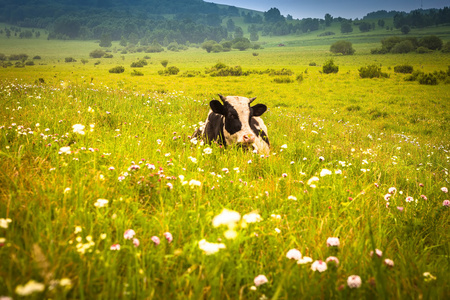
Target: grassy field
x,y
362,160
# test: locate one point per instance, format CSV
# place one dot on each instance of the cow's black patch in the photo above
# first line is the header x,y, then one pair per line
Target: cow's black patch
x,y
254,125
232,122
214,128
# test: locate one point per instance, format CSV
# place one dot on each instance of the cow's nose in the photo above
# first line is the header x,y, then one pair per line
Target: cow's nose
x,y
248,138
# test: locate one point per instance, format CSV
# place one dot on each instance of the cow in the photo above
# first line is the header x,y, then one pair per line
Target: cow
x,y
234,122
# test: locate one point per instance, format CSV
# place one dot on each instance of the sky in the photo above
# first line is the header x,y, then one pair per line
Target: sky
x,y
300,9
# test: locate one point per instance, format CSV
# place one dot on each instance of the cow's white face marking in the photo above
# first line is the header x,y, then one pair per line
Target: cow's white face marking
x,y
240,109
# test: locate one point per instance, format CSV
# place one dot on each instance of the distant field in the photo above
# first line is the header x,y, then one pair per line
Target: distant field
x,y
339,145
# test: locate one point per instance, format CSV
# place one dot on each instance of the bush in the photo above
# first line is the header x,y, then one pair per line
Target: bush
x,y
403,47
405,69
139,64
299,78
414,76
330,67
172,70
220,69
255,53
423,50
97,53
29,63
217,48
343,47
108,56
36,57
283,71
70,59
208,45
164,63
428,79
431,42
21,57
2,57
118,69
372,71
283,79
136,73
446,48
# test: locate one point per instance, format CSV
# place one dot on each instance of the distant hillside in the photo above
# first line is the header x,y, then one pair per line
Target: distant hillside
x,y
152,22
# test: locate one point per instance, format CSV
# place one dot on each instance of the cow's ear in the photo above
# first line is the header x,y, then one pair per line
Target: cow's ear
x,y
217,107
259,109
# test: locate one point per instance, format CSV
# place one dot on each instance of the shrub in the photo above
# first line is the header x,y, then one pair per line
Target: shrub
x,y
330,67
431,42
312,64
372,71
2,57
428,79
70,59
21,57
137,73
255,53
283,71
283,79
190,74
37,57
164,63
29,63
423,50
172,70
217,48
118,69
403,47
220,69
97,53
414,76
108,56
299,78
139,64
446,48
84,61
343,47
405,69
208,45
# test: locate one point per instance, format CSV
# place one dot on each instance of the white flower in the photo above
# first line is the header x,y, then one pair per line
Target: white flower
x,y
252,217
65,150
378,252
319,265
294,254
78,229
207,150
333,242
260,280
392,190
194,182
129,234
193,159
230,234
101,203
354,281
29,288
210,248
444,189
78,128
226,217
284,146
325,172
389,262
304,260
312,179
292,198
4,222
332,258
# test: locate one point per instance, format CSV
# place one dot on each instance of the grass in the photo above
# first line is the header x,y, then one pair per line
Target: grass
x,y
376,133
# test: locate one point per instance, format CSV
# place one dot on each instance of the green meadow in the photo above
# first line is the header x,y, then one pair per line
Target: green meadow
x,y
86,155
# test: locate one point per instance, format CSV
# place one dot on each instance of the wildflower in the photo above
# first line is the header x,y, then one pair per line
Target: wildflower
x,y
115,247
121,178
446,203
304,260
333,242
409,199
387,197
225,170
129,234
400,208
389,262
292,198
260,280
332,259
354,281
338,172
252,217
65,282
207,150
444,189
194,183
67,190
378,252
428,276
392,190
169,185
136,242
168,237
65,150
294,254
210,248
4,222
156,240
151,166
230,234
29,288
101,203
277,230
311,180
78,128
376,184
90,110
78,229
319,265
284,146
325,172
134,168
226,217
321,158
284,175
103,236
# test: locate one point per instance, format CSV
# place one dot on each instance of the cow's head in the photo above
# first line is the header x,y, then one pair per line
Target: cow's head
x,y
238,113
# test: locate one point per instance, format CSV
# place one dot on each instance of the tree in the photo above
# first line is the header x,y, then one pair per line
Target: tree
x,y
230,25
365,27
123,41
238,32
273,15
105,41
381,23
241,44
254,36
346,27
405,29
431,42
343,47
208,45
328,20
164,63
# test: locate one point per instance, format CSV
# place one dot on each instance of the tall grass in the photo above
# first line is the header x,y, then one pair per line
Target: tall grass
x,y
371,134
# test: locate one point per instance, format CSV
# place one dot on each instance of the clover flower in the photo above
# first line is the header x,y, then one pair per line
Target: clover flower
x,y
101,203
333,242
210,248
129,234
4,222
389,262
260,280
78,128
354,281
226,217
29,288
446,203
304,260
319,266
444,189
332,259
156,240
115,247
252,217
325,172
294,254
168,237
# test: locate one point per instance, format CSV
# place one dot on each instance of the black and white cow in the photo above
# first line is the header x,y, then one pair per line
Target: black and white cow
x,y
235,122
